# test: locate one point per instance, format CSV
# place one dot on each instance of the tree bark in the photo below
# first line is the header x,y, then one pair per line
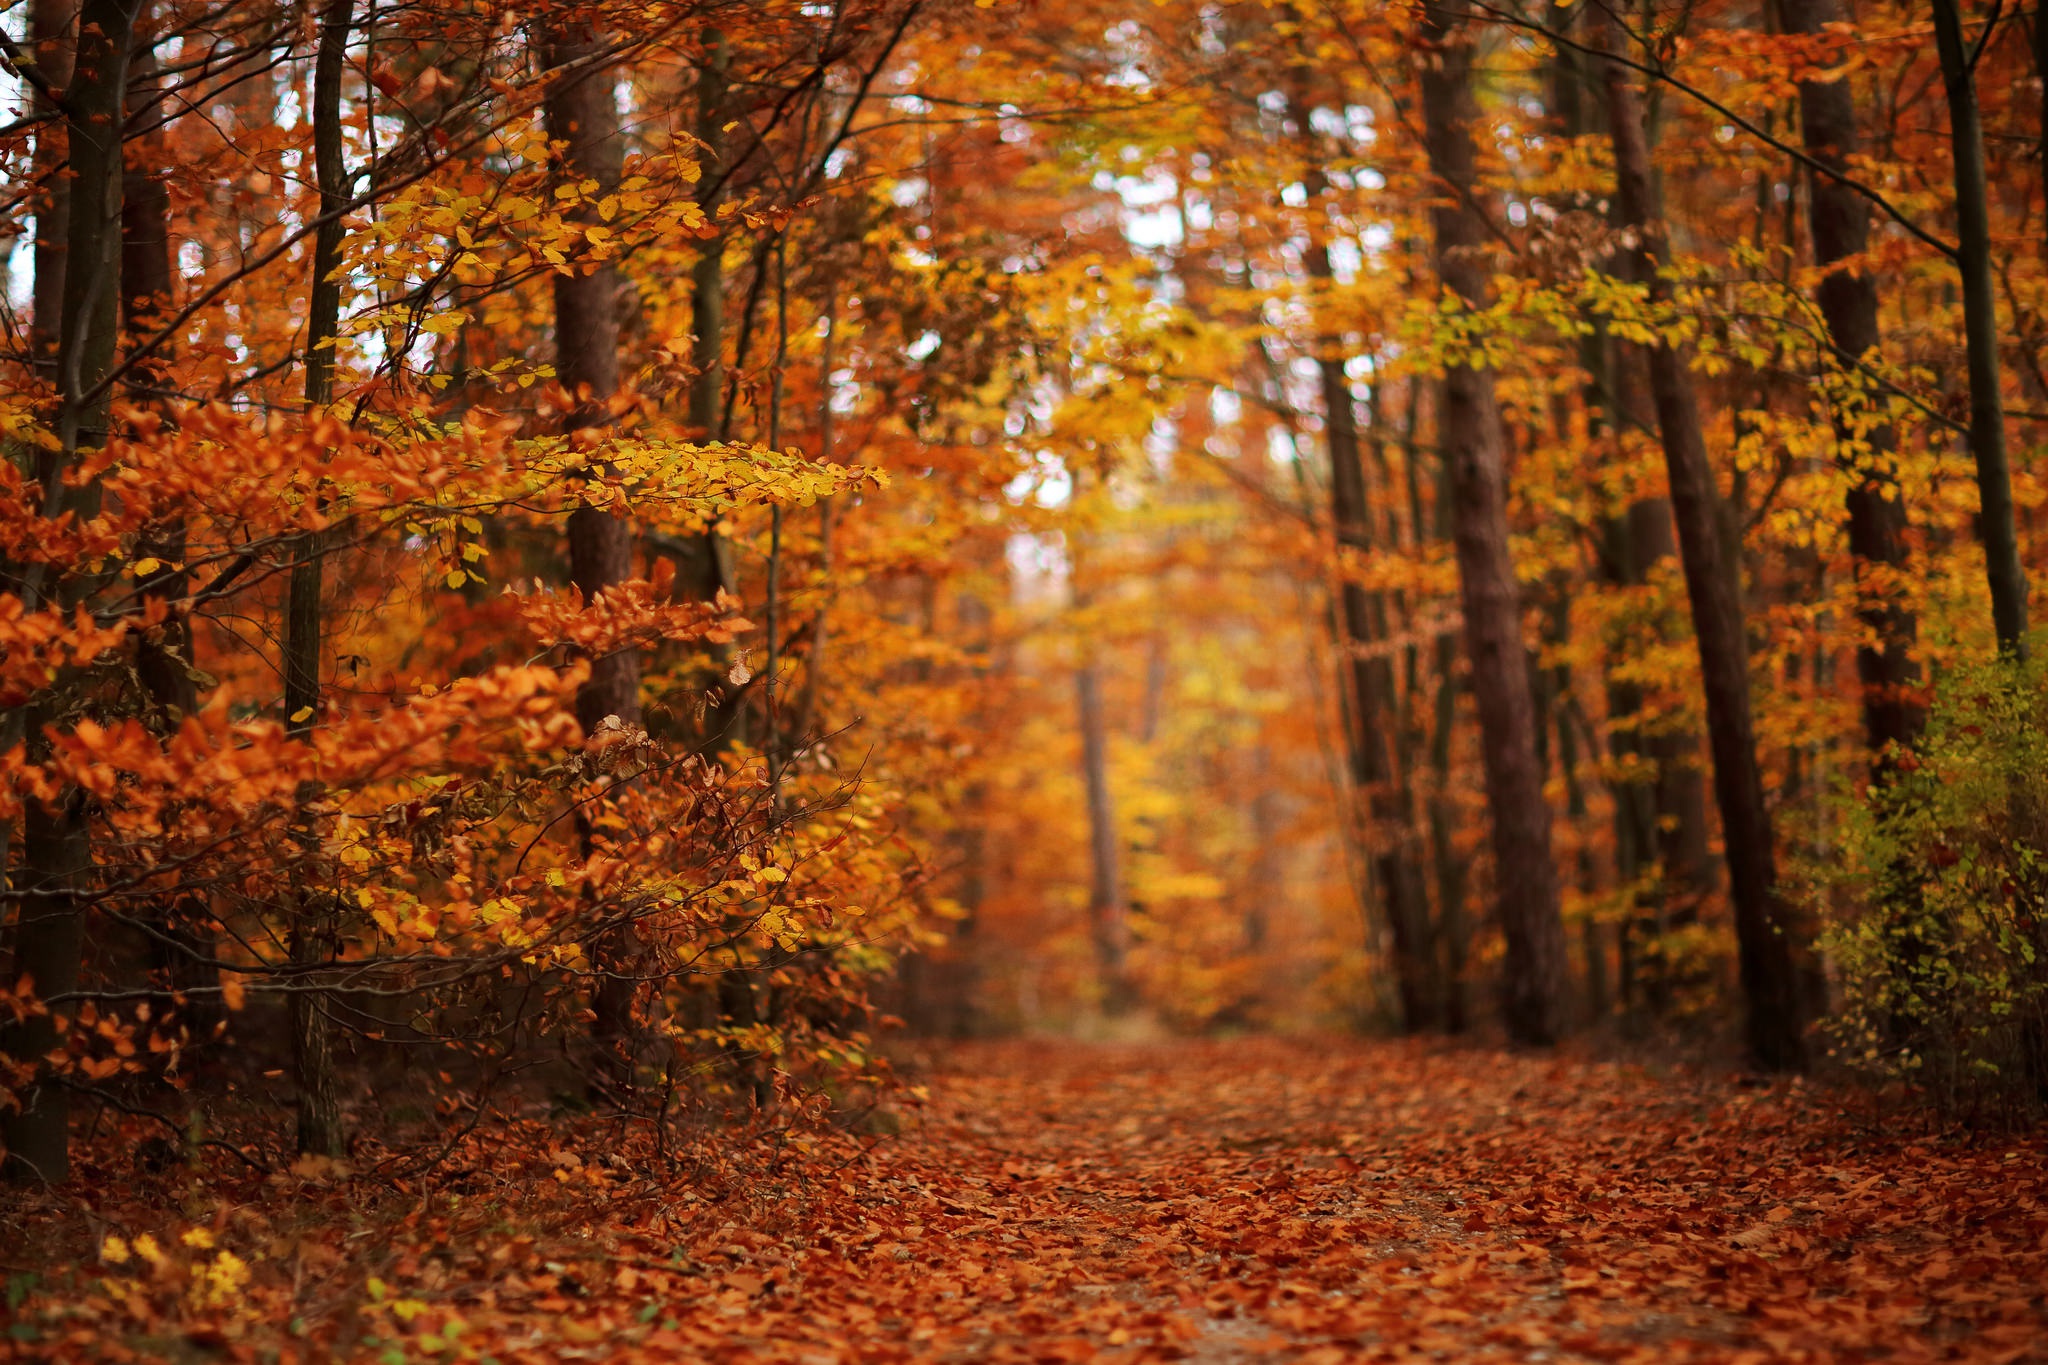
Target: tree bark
x,y
1840,221
582,113
708,569
163,657
1536,967
1713,585
1664,819
1995,524
1372,714
50,31
56,854
320,1129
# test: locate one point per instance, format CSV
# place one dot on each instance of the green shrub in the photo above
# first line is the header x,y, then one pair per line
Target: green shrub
x,y
1935,905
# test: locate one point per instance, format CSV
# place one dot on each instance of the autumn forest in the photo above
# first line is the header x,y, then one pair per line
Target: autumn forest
x,y
879,680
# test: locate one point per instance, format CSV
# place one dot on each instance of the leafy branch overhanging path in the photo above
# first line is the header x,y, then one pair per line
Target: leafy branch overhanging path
x,y
1207,1202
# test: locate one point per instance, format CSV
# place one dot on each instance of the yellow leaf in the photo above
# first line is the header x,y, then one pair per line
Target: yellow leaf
x,y
145,567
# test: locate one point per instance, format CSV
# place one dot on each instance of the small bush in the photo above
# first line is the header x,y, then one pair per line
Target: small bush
x,y
1936,924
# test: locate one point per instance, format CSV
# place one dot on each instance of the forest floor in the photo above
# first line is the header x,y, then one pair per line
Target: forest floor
x,y
1226,1201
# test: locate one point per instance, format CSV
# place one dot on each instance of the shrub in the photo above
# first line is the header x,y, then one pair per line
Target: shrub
x,y
1936,931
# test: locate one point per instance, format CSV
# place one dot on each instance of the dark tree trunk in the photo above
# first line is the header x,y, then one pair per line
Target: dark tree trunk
x,y
708,569
1668,815
163,657
1536,968
50,30
1995,523
48,944
1373,713
1840,222
56,853
582,113
1662,820
1770,983
2040,41
320,1129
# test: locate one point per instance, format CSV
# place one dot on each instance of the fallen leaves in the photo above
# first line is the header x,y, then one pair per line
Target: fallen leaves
x,y
1319,1202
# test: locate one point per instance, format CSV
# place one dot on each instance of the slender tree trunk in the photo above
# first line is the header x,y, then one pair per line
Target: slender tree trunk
x,y
320,1129
1663,819
1564,711
1536,967
1840,221
582,113
2040,43
1770,982
46,943
708,569
707,276
1373,713
816,656
1448,947
1106,899
163,657
1373,717
50,30
56,854
1451,878
1267,884
1669,813
1995,525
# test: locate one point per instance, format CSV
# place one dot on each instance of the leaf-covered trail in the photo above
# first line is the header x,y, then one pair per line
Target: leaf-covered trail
x,y
1227,1201
1211,1202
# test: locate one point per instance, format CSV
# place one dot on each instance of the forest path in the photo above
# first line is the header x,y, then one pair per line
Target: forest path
x,y
1295,1201
1302,1202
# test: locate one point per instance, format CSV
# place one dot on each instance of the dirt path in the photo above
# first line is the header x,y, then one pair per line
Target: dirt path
x,y
1233,1201
1210,1202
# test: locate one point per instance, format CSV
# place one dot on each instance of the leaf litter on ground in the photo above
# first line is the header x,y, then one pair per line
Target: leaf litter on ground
x,y
1212,1201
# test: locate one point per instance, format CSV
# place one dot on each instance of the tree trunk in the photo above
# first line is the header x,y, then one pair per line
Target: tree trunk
x,y
163,657
1372,717
49,942
821,638
1770,984
50,30
1106,920
1663,820
320,1130
582,113
1448,945
1995,524
1536,967
2040,43
1668,815
56,854
709,569
1840,222
1372,713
